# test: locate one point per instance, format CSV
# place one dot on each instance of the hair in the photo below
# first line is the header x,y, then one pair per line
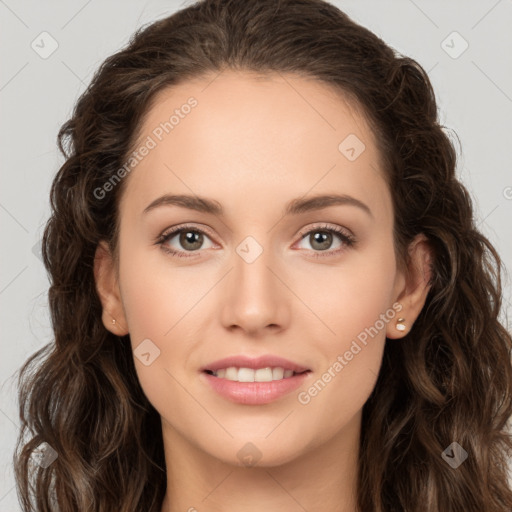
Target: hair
x,y
449,379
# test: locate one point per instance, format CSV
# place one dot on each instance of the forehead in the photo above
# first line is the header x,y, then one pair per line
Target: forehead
x,y
298,103
242,133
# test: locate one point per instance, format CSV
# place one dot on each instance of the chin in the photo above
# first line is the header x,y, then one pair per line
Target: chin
x,y
258,453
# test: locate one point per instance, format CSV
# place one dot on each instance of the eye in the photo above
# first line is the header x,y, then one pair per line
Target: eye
x,y
191,239
321,238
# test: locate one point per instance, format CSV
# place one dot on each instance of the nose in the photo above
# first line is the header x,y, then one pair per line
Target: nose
x,y
256,300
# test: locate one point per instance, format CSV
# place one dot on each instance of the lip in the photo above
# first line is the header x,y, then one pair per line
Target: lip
x,y
254,363
254,393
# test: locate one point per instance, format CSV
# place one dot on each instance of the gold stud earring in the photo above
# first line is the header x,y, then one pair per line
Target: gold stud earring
x,y
114,321
400,325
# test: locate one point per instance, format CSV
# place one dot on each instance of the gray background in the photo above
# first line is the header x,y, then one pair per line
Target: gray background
x,y
474,92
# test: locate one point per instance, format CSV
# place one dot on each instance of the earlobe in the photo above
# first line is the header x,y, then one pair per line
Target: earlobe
x,y
107,287
416,286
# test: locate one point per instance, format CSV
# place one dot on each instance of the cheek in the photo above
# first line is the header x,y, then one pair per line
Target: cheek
x,y
161,304
156,296
156,301
351,297
355,302
336,397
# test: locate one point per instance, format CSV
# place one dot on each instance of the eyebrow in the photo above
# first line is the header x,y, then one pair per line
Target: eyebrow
x,y
294,207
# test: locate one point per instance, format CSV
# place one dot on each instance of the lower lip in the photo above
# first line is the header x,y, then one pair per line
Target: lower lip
x,y
254,393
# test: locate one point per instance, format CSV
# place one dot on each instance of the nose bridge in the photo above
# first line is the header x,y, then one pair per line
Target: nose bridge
x,y
254,299
253,277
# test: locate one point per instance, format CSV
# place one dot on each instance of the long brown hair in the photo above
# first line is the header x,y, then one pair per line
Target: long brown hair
x,y
449,380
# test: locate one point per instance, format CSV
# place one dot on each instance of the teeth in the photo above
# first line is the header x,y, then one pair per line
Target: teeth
x,y
231,373
277,373
263,375
246,375
249,375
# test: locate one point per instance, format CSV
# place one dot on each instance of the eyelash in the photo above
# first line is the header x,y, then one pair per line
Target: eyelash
x,y
347,239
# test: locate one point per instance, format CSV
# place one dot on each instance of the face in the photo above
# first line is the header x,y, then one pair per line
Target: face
x,y
269,270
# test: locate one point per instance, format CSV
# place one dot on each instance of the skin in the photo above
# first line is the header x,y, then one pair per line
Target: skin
x,y
253,144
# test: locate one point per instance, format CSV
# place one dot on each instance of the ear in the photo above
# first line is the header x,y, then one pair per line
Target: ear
x,y
107,287
413,285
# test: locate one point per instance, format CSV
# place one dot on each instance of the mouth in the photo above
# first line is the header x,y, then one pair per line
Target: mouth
x,y
254,386
249,380
242,374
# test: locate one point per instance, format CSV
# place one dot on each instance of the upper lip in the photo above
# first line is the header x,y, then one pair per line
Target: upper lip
x,y
254,363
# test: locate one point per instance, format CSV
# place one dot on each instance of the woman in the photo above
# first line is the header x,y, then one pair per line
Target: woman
x,y
267,289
